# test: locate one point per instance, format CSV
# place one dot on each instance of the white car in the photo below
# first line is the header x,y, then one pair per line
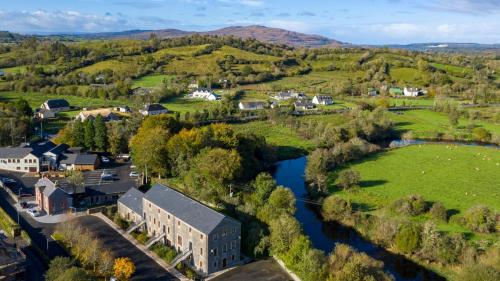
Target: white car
x,y
134,174
106,176
33,212
104,159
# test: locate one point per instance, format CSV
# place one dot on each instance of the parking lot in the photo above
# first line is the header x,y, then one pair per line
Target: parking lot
x,y
266,270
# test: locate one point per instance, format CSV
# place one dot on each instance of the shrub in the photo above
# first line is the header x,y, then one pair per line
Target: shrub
x,y
349,179
481,134
335,208
479,272
122,223
408,238
165,252
438,211
142,237
480,219
411,205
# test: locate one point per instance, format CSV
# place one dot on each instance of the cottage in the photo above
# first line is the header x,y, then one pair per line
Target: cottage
x,y
206,94
323,100
79,162
252,105
55,105
107,114
412,92
153,109
394,91
42,113
303,105
50,198
123,109
211,239
289,95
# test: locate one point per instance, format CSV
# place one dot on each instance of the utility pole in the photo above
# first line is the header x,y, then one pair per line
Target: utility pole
x,y
11,132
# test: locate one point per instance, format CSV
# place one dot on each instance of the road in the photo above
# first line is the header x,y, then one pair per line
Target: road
x,y
146,268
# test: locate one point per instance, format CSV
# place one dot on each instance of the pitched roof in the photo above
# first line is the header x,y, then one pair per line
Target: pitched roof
x,y
133,200
50,187
37,149
320,97
57,103
186,209
154,107
78,159
59,149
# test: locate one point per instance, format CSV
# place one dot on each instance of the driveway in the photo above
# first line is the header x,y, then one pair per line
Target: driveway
x,y
263,270
146,268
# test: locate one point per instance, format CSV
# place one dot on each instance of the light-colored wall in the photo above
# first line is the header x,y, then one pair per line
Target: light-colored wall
x,y
128,214
22,166
228,245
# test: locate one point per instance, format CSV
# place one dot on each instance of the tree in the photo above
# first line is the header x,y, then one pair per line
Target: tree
x,y
105,264
335,208
480,219
263,186
408,238
123,268
100,135
438,211
148,149
217,166
307,262
78,134
76,180
75,274
23,107
57,267
284,230
349,179
89,135
280,202
116,138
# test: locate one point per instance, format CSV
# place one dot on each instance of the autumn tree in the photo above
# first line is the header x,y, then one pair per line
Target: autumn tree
x,y
123,268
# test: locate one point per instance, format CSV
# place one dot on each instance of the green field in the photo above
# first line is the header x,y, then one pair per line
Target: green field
x,y
183,105
150,80
36,99
427,124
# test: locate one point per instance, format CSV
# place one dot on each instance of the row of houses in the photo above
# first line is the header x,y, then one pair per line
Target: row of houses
x,y
45,156
209,240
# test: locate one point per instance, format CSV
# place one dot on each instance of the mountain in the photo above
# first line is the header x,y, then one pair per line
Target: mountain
x,y
261,33
8,37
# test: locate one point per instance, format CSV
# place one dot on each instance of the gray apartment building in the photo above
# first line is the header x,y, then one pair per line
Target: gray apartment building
x,y
211,240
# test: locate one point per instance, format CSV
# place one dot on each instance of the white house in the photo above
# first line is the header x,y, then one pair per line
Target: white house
x,y
123,109
206,94
411,92
42,113
55,105
323,100
30,157
153,109
289,95
251,105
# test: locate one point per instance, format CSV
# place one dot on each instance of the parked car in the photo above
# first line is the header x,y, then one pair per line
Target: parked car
x,y
125,157
24,205
33,212
134,174
104,159
106,176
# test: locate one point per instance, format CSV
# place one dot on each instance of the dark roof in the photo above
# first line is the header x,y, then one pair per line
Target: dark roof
x,y
117,187
133,200
186,209
59,149
320,97
57,103
154,107
37,149
78,159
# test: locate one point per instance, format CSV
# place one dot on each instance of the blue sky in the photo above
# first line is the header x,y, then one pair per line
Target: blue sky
x,y
354,21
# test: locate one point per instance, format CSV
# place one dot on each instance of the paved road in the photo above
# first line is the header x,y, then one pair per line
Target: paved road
x,y
263,270
146,268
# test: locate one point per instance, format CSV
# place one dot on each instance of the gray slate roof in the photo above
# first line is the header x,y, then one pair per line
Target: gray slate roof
x,y
186,209
154,107
133,200
78,159
37,149
57,103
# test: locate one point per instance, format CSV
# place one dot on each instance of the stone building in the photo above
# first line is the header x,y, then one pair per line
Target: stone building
x,y
210,240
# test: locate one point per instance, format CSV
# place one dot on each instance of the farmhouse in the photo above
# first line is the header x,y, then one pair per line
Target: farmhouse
x,y
55,105
153,109
206,94
289,95
412,92
323,100
142,91
42,113
123,109
303,105
251,105
372,92
211,239
106,113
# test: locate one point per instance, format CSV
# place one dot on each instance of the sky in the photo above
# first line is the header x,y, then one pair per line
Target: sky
x,y
352,21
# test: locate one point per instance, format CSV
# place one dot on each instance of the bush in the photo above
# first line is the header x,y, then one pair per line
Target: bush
x,y
122,223
481,134
408,238
349,179
438,211
411,205
480,219
141,237
335,208
165,252
479,272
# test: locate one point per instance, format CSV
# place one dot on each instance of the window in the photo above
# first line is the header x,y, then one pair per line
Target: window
x,y
18,160
190,229
201,236
158,210
26,160
223,233
233,244
201,264
215,237
232,257
168,230
154,220
233,230
149,205
8,160
224,248
18,168
214,250
201,251
215,264
179,240
168,216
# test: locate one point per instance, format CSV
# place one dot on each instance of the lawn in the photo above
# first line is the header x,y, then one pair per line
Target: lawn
x,y
427,123
458,176
411,102
405,74
35,99
183,105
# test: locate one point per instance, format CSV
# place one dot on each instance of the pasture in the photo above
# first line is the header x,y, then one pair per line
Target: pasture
x,y
35,99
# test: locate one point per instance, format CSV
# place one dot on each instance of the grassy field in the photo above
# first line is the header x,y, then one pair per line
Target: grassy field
x,y
458,176
426,124
183,105
150,80
405,74
36,99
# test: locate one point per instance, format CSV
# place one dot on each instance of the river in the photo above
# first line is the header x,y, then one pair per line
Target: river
x,y
324,235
